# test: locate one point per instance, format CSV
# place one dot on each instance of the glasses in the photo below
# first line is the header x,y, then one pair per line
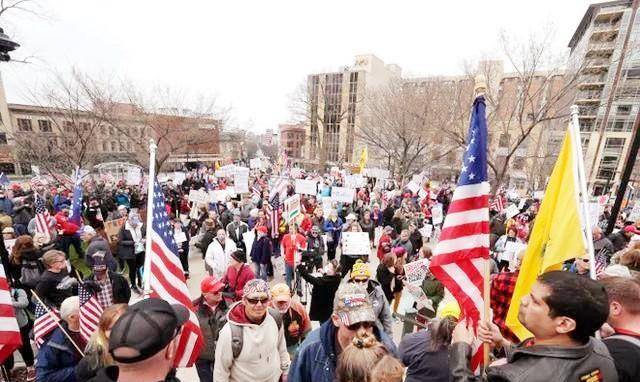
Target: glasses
x,y
360,281
255,301
365,325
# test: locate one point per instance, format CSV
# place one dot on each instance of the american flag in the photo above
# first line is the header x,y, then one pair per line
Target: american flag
x,y
463,246
9,330
601,262
274,215
256,190
44,323
167,281
42,217
76,205
498,202
90,312
37,181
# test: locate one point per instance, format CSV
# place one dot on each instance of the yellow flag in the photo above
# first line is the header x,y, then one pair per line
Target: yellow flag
x,y
557,232
364,156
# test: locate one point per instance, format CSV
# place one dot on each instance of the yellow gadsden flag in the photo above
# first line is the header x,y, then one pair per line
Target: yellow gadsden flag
x,y
364,156
557,232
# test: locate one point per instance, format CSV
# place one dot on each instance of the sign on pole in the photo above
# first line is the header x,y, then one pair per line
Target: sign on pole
x,y
134,176
292,207
343,194
199,196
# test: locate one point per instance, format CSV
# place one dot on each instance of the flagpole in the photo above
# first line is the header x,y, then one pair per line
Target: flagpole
x,y
150,182
582,184
55,319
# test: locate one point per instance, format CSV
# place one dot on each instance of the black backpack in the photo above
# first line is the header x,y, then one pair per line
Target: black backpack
x,y
237,340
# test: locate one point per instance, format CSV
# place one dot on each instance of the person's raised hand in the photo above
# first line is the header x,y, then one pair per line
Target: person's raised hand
x,y
463,332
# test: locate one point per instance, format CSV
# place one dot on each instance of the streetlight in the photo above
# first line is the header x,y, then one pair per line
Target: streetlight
x,y
6,45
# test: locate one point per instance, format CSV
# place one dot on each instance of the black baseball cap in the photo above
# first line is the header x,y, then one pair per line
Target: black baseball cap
x,y
145,328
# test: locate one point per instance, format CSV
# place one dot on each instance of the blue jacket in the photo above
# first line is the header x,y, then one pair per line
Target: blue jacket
x,y
333,228
6,205
262,250
316,359
56,359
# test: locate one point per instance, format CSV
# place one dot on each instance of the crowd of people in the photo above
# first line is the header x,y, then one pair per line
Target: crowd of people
x,y
288,304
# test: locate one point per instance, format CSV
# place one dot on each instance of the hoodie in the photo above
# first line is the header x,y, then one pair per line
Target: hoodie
x,y
264,356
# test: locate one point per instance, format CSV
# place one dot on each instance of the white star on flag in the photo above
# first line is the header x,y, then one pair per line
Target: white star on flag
x,y
471,159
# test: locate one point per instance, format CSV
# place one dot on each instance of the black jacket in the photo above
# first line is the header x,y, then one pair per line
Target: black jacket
x,y
119,287
207,238
53,288
385,277
126,245
324,289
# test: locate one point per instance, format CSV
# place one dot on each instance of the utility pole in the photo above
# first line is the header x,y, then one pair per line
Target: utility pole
x,y
630,161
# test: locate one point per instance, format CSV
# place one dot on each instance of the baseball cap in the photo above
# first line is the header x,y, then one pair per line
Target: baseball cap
x,y
147,327
352,304
211,284
632,229
280,292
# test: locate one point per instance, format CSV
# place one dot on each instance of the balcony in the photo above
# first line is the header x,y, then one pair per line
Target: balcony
x,y
600,49
609,15
589,112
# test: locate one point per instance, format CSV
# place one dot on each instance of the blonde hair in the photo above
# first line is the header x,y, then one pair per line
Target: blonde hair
x,y
98,344
51,256
388,369
358,359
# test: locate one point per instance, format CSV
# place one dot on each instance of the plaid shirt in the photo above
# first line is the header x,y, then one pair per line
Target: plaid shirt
x,y
105,294
502,287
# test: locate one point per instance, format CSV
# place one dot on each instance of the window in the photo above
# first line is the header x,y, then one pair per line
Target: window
x,y
84,126
623,110
68,126
44,125
504,140
24,124
114,146
105,146
614,144
122,147
518,163
8,168
3,138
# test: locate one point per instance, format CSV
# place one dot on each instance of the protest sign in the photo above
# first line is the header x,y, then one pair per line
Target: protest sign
x,y
377,234
199,196
9,243
355,243
231,191
179,177
426,231
538,195
595,210
112,227
376,173
180,237
413,186
343,194
307,187
292,207
296,173
512,211
35,170
220,173
523,201
436,214
255,163
134,176
354,181
241,180
416,271
634,215
218,196
420,297
327,206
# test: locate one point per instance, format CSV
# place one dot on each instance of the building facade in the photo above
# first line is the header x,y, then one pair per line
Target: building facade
x,y
608,93
292,140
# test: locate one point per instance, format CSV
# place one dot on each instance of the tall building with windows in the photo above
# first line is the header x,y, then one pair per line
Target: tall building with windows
x,y
608,93
334,101
292,140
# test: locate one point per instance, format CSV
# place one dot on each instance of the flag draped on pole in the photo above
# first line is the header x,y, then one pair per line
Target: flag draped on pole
x,y
10,338
557,234
166,278
90,312
76,204
45,321
276,195
463,248
364,156
42,217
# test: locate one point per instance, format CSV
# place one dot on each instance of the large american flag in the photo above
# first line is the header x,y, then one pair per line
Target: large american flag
x,y
166,279
44,323
463,246
498,202
42,217
90,312
276,194
9,330
76,205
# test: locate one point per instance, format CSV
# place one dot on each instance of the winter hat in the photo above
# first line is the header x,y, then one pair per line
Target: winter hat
x,y
451,309
211,284
239,256
255,287
360,269
616,270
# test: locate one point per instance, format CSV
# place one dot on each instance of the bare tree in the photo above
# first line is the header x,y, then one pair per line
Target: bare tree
x,y
400,123
74,110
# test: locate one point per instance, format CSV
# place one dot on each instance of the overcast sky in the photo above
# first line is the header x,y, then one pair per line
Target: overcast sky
x,y
253,54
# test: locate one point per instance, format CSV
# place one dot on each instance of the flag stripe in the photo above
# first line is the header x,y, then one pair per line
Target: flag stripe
x,y
460,230
470,203
10,338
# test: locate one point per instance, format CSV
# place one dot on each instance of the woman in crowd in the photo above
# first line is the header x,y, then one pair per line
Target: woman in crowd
x,y
324,289
385,274
506,248
368,225
131,249
25,267
356,361
96,354
333,228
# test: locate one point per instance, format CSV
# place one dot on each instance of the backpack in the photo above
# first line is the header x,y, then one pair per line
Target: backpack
x,y
236,332
30,274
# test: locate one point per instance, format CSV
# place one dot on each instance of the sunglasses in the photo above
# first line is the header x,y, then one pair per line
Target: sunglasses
x,y
255,301
361,281
365,325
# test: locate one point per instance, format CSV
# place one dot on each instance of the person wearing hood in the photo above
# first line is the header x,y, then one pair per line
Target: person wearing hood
x,y
251,345
68,230
261,252
361,274
353,316
218,254
97,243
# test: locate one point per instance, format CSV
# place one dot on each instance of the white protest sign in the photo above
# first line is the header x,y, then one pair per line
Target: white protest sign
x,y
413,186
9,243
134,176
512,211
307,187
377,234
355,243
162,178
255,163
327,206
292,207
241,180
35,170
231,191
180,237
220,173
595,210
538,195
436,214
416,271
376,173
522,203
198,196
179,177
634,215
420,297
343,194
354,181
248,238
216,196
426,231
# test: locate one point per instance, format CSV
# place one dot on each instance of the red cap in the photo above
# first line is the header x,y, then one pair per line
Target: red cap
x,y
631,228
211,284
262,229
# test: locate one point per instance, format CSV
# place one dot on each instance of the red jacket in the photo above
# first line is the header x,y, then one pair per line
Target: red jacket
x,y
235,281
63,224
289,246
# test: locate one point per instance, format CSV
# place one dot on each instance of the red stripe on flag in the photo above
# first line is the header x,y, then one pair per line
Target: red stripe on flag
x,y
467,204
458,231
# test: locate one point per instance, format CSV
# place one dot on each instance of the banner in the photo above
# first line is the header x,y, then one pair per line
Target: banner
x,y
292,208
112,227
306,187
355,243
134,176
343,194
354,181
199,196
416,271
